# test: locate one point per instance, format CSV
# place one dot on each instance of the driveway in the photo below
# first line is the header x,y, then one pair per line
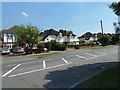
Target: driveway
x,y
57,71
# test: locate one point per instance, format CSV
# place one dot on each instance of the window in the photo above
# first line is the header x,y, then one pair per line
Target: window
x,y
9,35
73,36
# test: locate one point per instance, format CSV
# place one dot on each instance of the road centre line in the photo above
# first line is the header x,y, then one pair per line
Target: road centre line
x,y
64,60
11,70
39,70
44,64
80,56
25,63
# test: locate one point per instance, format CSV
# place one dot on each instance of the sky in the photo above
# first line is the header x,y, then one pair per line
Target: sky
x,y
80,17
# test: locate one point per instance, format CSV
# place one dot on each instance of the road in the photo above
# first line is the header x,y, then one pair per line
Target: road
x,y
57,71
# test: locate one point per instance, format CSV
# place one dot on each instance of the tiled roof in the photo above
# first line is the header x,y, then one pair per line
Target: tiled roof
x,y
46,33
10,29
88,35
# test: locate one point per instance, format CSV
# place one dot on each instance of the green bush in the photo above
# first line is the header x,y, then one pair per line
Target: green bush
x,y
115,39
56,46
41,45
104,40
48,45
61,47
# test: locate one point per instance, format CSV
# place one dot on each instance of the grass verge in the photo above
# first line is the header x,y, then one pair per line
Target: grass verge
x,y
107,79
48,54
98,47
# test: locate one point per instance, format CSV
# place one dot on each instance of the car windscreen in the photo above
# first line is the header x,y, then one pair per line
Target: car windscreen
x,y
19,48
5,49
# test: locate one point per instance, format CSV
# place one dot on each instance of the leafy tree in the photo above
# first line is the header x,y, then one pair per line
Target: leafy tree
x,y
117,28
103,40
115,39
116,7
28,35
70,32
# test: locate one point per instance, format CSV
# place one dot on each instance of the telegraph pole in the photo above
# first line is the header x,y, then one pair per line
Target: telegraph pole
x,y
101,26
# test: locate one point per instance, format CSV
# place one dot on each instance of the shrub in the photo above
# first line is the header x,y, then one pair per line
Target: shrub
x,y
115,39
61,47
41,45
48,45
56,46
103,40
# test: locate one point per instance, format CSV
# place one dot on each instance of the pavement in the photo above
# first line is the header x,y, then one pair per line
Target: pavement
x,y
58,71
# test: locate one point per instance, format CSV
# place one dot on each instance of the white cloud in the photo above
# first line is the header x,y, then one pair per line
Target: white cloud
x,y
24,14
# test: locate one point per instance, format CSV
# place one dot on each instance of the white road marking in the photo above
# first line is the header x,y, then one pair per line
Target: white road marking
x,y
80,56
39,70
25,63
90,54
95,56
44,64
11,70
64,60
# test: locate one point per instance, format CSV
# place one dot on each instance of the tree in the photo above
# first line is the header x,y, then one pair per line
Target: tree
x,y
103,40
70,32
117,28
116,7
115,39
27,35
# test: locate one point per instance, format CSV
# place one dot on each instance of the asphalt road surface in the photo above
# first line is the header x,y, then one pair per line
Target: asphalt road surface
x,y
57,71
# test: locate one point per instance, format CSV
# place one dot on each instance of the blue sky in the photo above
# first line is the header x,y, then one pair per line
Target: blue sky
x,y
79,17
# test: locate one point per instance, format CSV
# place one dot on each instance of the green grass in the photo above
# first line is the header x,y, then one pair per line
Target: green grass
x,y
109,78
98,47
70,47
47,54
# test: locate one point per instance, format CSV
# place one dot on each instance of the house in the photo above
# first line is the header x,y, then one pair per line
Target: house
x,y
61,36
87,37
8,37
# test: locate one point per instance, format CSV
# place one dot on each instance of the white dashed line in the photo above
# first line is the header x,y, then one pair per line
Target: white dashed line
x,y
44,64
80,56
25,63
39,70
11,70
64,60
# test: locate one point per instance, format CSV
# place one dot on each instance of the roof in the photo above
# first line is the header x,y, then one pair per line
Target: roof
x,y
66,33
10,30
46,33
87,35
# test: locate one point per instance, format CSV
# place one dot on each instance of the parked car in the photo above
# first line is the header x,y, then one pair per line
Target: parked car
x,y
4,51
18,49
35,50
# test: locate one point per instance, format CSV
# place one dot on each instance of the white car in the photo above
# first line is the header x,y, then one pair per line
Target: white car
x,y
5,51
18,49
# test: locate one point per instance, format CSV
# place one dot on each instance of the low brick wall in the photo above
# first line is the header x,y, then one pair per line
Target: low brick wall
x,y
81,47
